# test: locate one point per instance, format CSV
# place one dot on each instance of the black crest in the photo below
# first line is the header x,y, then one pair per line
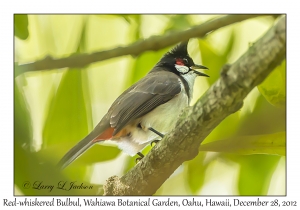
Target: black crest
x,y
168,60
179,50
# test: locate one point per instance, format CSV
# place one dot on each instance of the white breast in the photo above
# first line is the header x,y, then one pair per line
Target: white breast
x,y
163,119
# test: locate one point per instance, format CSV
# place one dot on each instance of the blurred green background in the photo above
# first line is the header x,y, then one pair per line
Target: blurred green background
x,y
54,109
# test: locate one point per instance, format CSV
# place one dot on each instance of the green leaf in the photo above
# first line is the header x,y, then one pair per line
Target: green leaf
x,y
127,18
178,23
225,129
213,59
273,144
30,170
98,153
95,154
129,163
22,120
196,172
264,119
255,173
273,88
144,63
21,26
229,45
130,18
67,119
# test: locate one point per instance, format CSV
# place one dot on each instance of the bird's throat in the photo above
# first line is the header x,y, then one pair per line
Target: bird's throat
x,y
188,81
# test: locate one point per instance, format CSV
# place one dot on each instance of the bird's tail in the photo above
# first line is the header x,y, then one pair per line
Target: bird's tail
x,y
101,132
75,152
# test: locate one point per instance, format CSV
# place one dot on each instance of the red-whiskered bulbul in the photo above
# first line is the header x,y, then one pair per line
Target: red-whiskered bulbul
x,y
147,109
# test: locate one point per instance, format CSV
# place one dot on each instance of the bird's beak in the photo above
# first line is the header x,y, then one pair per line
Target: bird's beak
x,y
195,66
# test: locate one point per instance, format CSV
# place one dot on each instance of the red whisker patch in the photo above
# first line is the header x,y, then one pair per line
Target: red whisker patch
x,y
179,61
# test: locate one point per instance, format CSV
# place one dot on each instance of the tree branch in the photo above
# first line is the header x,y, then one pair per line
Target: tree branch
x,y
195,123
153,43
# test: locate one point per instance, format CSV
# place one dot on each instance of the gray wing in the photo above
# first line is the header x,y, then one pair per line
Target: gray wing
x,y
144,96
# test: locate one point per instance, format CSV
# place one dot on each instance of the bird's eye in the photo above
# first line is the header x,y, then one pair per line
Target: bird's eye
x,y
185,61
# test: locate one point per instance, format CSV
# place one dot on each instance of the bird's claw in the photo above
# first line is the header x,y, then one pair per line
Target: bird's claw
x,y
137,160
154,142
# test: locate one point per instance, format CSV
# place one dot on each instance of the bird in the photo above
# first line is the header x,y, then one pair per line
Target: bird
x,y
148,109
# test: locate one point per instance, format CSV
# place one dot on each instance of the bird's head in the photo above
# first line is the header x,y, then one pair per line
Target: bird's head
x,y
178,61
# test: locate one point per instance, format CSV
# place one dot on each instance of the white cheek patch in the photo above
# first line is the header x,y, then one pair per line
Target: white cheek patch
x,y
181,68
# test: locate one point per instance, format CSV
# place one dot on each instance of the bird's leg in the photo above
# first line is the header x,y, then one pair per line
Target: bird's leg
x,y
154,141
139,158
158,133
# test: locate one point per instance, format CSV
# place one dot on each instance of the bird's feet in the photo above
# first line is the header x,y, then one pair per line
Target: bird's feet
x,y
139,158
156,132
154,142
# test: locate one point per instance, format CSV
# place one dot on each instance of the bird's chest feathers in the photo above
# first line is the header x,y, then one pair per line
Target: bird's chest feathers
x,y
164,117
